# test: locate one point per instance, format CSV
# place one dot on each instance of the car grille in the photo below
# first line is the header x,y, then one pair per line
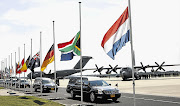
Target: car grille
x,y
50,86
110,92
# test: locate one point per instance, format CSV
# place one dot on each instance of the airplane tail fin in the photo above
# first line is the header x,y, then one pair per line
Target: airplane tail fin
x,y
85,59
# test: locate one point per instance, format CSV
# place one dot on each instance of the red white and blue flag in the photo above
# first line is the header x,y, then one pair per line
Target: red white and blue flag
x,y
117,36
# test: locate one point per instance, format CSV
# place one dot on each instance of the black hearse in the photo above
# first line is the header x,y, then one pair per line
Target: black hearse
x,y
94,88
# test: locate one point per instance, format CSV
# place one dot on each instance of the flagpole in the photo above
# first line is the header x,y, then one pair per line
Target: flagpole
x,y
80,53
11,71
18,70
132,54
6,73
15,71
41,60
24,71
31,71
54,58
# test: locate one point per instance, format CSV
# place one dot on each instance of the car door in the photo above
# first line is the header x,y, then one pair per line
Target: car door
x,y
77,87
86,86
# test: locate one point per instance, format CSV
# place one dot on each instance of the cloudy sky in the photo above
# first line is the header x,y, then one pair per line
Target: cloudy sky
x,y
155,30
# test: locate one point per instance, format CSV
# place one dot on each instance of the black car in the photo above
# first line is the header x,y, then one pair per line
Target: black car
x,y
47,84
93,88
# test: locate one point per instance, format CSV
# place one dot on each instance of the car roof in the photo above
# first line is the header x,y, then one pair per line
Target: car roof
x,y
43,78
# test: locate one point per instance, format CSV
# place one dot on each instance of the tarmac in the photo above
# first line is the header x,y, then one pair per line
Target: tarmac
x,y
159,86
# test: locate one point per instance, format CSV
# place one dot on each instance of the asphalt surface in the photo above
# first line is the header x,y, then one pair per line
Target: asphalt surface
x,y
126,99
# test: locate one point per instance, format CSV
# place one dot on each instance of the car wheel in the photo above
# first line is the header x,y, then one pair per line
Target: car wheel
x,y
72,94
92,97
35,89
114,99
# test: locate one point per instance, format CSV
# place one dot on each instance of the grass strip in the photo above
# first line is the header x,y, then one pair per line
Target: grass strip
x,y
26,101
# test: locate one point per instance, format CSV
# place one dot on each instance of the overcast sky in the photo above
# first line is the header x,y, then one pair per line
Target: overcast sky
x,y
155,30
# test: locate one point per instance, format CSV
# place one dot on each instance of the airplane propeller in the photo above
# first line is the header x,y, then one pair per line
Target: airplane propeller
x,y
160,66
98,69
113,69
144,67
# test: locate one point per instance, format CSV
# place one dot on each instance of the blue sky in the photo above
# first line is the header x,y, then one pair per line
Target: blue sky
x,y
155,27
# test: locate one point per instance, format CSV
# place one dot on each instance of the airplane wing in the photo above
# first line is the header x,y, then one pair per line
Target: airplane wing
x,y
159,67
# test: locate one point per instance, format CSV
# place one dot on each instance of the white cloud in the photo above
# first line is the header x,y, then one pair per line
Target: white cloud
x,y
4,28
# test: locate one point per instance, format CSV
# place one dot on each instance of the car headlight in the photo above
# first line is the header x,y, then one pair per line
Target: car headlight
x,y
100,91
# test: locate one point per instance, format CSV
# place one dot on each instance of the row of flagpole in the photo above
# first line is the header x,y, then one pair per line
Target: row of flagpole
x,y
54,58
132,54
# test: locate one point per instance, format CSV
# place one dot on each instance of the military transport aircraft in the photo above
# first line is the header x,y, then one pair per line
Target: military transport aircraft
x,y
62,73
126,72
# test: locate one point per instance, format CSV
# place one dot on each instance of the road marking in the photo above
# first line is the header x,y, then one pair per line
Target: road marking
x,y
154,100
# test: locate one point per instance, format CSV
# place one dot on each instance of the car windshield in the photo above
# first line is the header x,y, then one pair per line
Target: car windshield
x,y
98,83
14,80
24,81
47,81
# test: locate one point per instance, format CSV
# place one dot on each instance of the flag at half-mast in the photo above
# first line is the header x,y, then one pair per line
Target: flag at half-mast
x,y
20,66
24,66
17,67
49,58
71,48
117,36
34,62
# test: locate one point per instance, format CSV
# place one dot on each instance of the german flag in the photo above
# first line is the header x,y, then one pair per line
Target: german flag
x,y
49,58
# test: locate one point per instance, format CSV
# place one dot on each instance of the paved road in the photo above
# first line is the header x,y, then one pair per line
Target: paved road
x,y
125,100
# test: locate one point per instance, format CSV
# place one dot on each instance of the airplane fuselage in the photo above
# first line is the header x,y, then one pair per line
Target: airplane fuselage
x,y
126,72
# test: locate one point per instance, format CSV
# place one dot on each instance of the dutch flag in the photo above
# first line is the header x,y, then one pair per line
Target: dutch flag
x,y
117,36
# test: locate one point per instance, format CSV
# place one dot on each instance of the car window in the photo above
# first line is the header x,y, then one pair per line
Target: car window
x,y
79,81
75,80
98,83
47,81
71,81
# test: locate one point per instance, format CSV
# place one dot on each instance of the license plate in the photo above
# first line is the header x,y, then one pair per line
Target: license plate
x,y
52,88
113,95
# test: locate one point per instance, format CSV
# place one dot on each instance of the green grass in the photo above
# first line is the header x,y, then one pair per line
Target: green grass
x,y
26,101
1,87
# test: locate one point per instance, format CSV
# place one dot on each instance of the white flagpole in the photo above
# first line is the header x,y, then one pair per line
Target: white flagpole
x,y
24,72
41,60
11,71
6,73
19,64
15,71
80,52
132,54
31,71
54,58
